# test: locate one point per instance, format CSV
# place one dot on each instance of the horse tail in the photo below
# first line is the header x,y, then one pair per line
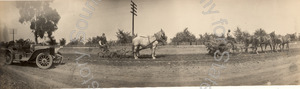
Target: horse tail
x,y
132,47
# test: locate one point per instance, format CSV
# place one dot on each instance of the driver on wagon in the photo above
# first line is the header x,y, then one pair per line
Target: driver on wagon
x,y
102,42
231,37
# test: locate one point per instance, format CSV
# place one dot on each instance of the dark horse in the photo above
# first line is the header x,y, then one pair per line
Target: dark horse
x,y
281,41
257,41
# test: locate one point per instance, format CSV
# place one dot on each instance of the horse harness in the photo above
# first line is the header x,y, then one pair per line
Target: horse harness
x,y
150,43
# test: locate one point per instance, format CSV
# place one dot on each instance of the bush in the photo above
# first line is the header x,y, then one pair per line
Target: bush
x,y
185,36
62,42
76,42
124,37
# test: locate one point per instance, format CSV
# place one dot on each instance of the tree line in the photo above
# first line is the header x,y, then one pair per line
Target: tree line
x,y
187,37
125,38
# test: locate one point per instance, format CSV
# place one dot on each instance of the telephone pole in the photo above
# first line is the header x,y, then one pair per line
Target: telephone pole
x,y
13,33
134,13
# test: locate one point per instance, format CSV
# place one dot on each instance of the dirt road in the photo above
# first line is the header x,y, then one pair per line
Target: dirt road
x,y
280,68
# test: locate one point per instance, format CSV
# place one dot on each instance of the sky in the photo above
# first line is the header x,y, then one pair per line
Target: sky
x,y
173,16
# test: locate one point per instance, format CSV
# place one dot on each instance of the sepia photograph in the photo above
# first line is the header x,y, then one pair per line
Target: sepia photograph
x,y
185,44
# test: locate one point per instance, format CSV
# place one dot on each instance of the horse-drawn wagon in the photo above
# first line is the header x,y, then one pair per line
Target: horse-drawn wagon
x,y
43,56
138,43
214,45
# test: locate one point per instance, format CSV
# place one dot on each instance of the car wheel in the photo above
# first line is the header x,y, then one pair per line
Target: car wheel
x,y
9,59
44,60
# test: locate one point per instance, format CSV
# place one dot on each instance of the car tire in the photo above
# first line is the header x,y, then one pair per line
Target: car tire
x,y
44,60
8,59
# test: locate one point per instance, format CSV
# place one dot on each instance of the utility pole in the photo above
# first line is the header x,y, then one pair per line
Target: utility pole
x,y
13,33
134,11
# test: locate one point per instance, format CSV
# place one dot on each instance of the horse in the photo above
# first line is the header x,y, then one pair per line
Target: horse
x,y
265,40
286,40
143,42
255,43
247,41
258,41
281,41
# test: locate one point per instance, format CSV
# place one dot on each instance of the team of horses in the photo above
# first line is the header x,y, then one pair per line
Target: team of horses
x,y
270,40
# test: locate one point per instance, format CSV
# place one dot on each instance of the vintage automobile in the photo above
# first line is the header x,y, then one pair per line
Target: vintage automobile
x,y
43,56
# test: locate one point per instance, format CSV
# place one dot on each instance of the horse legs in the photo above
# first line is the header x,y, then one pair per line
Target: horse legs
x,y
288,46
233,48
274,47
266,48
270,47
255,49
282,47
153,52
279,47
246,48
261,47
138,51
135,50
241,49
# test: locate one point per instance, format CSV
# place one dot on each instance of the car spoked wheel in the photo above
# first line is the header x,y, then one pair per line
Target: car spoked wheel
x,y
9,59
44,60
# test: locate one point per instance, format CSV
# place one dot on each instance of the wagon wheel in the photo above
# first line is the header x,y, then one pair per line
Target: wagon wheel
x,y
101,54
44,60
9,59
212,51
231,46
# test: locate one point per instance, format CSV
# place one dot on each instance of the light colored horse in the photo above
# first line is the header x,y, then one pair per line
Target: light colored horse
x,y
143,42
